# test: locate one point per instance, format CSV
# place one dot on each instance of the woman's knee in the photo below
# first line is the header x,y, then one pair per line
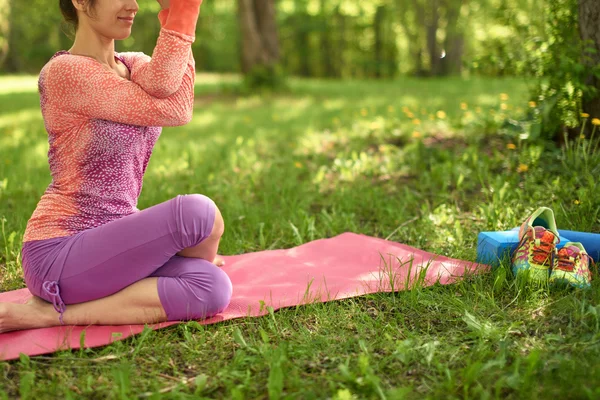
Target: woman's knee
x,y
197,213
209,291
221,293
218,225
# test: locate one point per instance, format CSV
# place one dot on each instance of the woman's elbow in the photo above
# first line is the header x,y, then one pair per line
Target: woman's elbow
x,y
188,116
160,91
183,117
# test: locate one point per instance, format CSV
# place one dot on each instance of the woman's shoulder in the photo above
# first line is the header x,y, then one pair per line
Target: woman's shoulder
x,y
67,72
67,63
65,67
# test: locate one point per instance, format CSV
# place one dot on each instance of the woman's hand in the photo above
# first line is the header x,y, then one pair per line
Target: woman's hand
x,y
164,4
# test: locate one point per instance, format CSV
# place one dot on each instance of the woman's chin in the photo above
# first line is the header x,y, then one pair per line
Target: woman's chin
x,y
123,35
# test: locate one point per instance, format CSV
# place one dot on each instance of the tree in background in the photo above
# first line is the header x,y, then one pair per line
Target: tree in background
x,y
33,34
358,39
384,44
456,15
4,29
435,30
589,28
316,38
566,62
259,44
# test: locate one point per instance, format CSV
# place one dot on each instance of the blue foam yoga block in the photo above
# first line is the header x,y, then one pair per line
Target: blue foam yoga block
x,y
590,241
493,247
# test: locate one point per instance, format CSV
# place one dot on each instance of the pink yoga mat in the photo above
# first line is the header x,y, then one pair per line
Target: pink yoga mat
x,y
345,266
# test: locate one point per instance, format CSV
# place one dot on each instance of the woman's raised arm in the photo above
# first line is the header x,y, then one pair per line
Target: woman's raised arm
x,y
78,85
161,75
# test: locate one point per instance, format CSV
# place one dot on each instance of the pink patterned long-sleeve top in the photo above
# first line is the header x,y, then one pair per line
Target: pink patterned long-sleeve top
x,y
102,127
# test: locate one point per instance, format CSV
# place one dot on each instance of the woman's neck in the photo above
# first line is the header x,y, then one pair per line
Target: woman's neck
x,y
91,44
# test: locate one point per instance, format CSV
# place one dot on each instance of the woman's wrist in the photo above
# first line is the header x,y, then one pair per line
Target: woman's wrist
x,y
183,16
163,15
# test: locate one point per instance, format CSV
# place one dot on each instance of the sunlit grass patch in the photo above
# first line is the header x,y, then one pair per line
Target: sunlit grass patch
x,y
18,84
429,163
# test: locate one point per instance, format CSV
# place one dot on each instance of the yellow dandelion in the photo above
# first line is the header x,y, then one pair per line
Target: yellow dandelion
x,y
503,106
503,96
582,136
596,121
391,109
511,146
464,106
532,104
405,109
576,202
441,114
523,168
298,164
416,121
478,110
468,114
585,115
364,112
416,134
410,115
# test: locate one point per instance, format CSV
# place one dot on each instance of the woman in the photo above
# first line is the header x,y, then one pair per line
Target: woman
x,y
87,245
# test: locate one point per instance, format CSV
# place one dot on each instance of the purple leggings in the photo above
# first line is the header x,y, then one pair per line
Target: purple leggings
x,y
98,262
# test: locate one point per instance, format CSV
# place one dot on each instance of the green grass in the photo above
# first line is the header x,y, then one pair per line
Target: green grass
x,y
319,160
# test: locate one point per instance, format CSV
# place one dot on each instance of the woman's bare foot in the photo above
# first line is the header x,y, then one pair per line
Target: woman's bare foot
x,y
35,314
219,261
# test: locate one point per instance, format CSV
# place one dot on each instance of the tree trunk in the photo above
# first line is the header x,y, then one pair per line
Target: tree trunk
x,y
259,39
454,42
341,44
415,47
326,48
301,20
432,45
378,26
589,28
4,29
302,43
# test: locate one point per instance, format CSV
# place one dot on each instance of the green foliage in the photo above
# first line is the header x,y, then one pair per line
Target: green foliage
x,y
264,78
559,61
322,38
35,34
508,31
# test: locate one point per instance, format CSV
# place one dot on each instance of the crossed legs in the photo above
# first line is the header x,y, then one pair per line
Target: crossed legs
x,y
150,267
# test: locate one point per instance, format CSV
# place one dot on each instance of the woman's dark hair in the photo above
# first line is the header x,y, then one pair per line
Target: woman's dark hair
x,y
69,11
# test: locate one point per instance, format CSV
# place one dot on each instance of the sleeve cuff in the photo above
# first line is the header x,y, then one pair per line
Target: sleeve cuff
x,y
183,16
162,16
